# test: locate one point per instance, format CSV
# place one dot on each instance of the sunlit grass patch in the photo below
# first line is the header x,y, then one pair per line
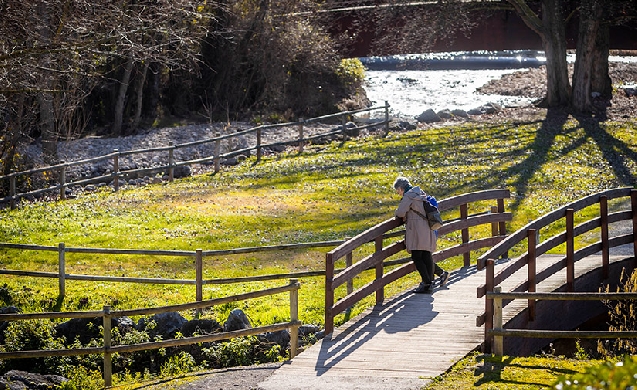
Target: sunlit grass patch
x,y
328,192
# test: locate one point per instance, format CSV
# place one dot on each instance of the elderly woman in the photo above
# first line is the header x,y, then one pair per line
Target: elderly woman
x,y
420,240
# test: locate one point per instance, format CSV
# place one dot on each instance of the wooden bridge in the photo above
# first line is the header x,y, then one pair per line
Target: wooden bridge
x,y
408,339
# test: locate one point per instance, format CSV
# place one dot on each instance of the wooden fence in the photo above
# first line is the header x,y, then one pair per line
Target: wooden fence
x,y
496,217
107,314
536,248
59,170
498,332
198,255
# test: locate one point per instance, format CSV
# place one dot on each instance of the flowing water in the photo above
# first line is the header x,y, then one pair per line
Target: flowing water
x,y
412,84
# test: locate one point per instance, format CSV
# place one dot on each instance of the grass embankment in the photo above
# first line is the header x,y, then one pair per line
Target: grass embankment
x,y
327,193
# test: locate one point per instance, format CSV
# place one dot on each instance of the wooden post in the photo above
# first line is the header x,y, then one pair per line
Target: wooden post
x,y
171,161
380,293
12,189
62,181
199,277
217,153
329,293
633,205
294,316
570,251
494,225
532,237
603,210
343,121
498,341
386,118
301,136
108,367
464,213
62,269
488,305
258,144
116,169
503,225
350,282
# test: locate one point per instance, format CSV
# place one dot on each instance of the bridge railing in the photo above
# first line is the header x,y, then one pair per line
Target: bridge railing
x,y
498,332
529,233
496,217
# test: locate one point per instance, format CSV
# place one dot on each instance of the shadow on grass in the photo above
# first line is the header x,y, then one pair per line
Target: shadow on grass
x,y
492,371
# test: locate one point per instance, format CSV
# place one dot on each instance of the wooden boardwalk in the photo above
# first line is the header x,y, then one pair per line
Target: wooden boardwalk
x,y
407,341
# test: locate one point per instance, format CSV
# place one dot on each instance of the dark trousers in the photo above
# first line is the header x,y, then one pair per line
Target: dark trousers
x,y
425,265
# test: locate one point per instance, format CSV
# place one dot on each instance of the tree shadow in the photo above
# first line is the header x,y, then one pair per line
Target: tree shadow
x,y
615,152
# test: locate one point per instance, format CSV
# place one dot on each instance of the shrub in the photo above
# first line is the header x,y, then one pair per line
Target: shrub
x,y
607,375
622,318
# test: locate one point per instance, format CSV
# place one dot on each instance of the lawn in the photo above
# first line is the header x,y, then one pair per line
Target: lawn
x,y
329,192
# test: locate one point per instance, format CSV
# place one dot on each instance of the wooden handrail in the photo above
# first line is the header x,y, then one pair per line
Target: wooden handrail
x,y
567,237
499,332
335,278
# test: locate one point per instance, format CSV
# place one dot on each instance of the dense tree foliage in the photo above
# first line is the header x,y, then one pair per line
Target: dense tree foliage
x,y
76,66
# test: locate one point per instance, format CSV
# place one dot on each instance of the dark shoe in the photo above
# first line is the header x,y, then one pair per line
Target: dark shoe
x,y
444,278
423,289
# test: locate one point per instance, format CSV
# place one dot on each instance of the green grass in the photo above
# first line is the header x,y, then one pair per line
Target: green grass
x,y
328,192
482,372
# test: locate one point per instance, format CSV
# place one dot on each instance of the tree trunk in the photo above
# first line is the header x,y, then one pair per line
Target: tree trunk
x,y
554,41
140,95
601,81
121,97
589,58
551,28
45,95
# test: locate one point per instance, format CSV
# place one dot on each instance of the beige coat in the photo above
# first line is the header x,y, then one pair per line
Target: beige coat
x,y
418,235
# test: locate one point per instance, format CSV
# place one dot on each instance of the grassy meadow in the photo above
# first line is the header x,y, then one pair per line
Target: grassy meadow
x,y
329,192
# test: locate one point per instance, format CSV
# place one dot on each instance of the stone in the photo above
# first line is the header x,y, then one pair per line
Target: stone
x,y
237,320
281,337
201,327
21,380
445,114
428,116
166,325
459,113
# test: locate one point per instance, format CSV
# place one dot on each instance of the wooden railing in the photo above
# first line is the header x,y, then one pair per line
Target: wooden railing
x,y
198,255
496,217
59,171
107,314
535,249
499,333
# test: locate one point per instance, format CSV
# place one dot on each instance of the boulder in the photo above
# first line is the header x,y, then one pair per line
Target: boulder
x,y
167,325
237,320
200,327
21,380
459,113
281,337
5,324
86,329
445,114
428,116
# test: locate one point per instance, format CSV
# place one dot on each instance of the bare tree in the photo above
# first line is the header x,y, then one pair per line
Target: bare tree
x,y
55,52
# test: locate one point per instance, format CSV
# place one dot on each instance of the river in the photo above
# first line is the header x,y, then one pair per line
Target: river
x,y
415,83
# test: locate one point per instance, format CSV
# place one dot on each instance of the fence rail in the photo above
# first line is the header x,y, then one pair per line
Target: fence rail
x,y
60,170
536,248
198,255
107,314
499,333
496,217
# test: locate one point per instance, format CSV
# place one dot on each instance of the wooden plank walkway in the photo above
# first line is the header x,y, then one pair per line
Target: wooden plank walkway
x,y
408,340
